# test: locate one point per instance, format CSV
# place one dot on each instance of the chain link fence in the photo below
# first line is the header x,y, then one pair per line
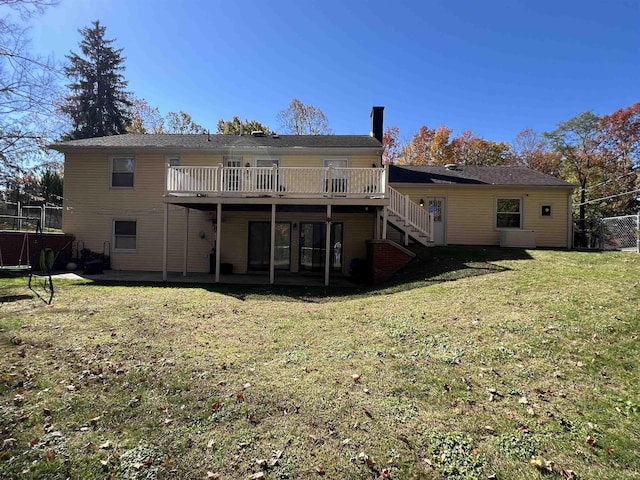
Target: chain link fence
x,y
610,233
49,215
621,233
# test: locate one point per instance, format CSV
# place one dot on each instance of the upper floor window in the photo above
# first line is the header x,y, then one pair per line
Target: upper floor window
x,y
267,162
508,213
122,171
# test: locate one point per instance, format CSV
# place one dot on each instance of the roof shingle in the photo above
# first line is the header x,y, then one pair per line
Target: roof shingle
x,y
220,142
472,175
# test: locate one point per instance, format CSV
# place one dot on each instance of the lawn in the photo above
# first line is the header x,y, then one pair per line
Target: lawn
x,y
473,364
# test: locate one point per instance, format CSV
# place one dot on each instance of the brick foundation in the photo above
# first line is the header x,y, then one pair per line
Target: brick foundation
x,y
385,258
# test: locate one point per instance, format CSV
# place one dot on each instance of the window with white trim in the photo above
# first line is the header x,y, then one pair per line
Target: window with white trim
x,y
124,235
122,172
509,212
267,162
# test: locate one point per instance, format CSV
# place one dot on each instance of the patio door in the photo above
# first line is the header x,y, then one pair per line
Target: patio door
x,y
313,239
437,206
259,253
338,182
232,175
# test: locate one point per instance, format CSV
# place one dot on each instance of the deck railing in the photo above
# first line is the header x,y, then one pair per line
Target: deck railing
x,y
281,181
413,214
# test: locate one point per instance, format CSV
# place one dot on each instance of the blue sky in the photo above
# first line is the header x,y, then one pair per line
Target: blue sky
x,y
493,67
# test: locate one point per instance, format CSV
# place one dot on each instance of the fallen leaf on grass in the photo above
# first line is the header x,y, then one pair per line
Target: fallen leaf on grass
x,y
569,474
320,470
591,440
105,445
356,377
542,464
277,455
257,476
9,442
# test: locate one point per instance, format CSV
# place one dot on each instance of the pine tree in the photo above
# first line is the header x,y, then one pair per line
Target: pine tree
x,y
98,103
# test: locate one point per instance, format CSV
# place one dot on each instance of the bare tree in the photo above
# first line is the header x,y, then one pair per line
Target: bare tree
x,y
28,89
301,119
144,117
181,122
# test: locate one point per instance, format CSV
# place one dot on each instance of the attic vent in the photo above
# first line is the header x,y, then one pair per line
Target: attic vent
x,y
257,133
453,166
275,135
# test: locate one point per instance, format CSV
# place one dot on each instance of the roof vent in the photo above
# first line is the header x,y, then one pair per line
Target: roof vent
x,y
257,133
453,166
275,135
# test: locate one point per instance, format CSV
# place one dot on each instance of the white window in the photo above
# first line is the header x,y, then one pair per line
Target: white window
x,y
124,235
233,162
122,172
267,162
509,213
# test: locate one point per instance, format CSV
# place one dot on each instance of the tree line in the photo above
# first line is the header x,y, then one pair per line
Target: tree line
x,y
599,154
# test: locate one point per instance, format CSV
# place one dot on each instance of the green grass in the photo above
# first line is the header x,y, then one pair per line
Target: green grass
x,y
471,363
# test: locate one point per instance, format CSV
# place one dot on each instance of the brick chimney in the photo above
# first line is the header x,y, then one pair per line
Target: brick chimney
x,y
377,123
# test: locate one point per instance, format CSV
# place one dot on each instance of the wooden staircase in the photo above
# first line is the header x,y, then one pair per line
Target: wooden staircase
x,y
410,218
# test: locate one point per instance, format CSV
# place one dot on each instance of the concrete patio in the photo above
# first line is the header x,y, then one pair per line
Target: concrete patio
x,y
281,278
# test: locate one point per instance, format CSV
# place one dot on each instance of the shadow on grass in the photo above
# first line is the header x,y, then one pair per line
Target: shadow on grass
x,y
430,266
14,298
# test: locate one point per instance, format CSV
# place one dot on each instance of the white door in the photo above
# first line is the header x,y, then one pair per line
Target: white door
x,y
231,177
437,206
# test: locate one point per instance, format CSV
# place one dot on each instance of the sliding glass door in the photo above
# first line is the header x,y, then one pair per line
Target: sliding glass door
x,y
260,245
313,238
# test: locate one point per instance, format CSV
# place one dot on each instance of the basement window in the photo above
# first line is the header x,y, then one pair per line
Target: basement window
x,y
124,235
509,213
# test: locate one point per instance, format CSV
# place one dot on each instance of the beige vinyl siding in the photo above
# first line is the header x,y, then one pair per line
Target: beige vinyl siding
x,y
91,206
471,212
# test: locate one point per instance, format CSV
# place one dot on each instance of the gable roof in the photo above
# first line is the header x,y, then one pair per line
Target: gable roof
x,y
473,175
219,142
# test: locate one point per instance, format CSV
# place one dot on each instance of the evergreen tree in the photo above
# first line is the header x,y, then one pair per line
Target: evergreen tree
x,y
98,104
